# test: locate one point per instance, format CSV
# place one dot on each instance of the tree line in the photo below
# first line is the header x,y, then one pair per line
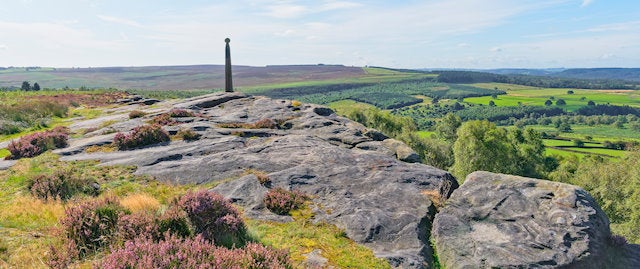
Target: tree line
x,y
534,81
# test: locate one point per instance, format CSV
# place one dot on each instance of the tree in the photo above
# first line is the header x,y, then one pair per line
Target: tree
x,y
565,127
569,92
548,103
447,128
481,145
26,86
494,96
591,103
492,103
561,102
578,143
36,86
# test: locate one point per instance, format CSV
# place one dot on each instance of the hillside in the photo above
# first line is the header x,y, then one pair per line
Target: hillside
x,y
173,77
368,187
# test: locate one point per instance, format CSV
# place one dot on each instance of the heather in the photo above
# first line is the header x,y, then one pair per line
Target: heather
x,y
168,118
32,145
214,217
281,201
198,252
141,136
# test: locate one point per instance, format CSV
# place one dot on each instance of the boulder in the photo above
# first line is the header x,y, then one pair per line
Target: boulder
x,y
504,221
378,199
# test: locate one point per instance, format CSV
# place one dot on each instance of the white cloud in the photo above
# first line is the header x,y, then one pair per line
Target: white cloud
x,y
334,5
120,20
625,26
496,49
586,3
286,11
3,47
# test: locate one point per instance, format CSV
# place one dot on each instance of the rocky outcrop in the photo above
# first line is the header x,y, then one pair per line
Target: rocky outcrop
x,y
360,180
504,221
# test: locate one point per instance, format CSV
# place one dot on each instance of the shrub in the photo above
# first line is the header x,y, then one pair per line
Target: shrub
x,y
174,252
163,119
141,136
180,113
167,118
145,224
137,114
265,123
91,225
213,216
281,201
37,143
62,184
188,135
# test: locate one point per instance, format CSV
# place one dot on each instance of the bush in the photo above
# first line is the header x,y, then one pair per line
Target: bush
x,y
188,135
145,224
174,252
91,225
137,114
163,119
214,217
37,143
167,118
180,113
281,201
141,136
62,184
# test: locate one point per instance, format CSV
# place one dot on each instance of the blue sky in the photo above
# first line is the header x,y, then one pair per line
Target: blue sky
x,y
402,33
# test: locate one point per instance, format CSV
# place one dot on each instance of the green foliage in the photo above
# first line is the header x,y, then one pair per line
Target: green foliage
x,y
614,184
447,128
382,95
505,112
481,145
26,86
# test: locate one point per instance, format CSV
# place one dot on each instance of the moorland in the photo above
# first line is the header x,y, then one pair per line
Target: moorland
x,y
572,130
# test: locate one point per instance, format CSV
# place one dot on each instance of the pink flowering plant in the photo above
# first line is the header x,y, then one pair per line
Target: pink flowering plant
x,y
214,217
281,201
141,136
37,143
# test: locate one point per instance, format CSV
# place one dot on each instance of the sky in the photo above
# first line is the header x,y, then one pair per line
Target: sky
x,y
401,33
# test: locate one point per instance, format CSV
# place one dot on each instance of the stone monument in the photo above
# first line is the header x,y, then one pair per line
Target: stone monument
x,y
228,83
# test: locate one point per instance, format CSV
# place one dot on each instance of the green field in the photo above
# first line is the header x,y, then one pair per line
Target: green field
x,y
531,96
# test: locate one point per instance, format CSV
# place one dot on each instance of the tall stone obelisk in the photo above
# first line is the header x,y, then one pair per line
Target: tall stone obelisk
x,y
228,83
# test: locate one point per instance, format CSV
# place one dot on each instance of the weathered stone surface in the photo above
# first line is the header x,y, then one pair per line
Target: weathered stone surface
x,y
503,221
366,190
6,164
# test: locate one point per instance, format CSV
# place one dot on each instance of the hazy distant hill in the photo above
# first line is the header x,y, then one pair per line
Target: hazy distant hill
x,y
632,74
172,77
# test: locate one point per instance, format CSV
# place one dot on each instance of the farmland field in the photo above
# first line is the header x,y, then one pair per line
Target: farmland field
x,y
531,96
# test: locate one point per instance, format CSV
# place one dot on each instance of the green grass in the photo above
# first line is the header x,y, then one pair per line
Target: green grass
x,y
344,107
425,134
4,153
532,96
301,237
599,133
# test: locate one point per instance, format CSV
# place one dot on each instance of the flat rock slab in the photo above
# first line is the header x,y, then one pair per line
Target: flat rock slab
x,y
504,221
372,191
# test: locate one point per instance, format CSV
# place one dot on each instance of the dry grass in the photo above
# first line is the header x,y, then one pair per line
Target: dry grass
x,y
105,148
140,202
31,213
435,197
262,176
